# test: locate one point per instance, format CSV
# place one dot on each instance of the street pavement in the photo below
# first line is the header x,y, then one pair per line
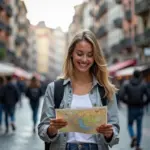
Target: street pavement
x,y
24,138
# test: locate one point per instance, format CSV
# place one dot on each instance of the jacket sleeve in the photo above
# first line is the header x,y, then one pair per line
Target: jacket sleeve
x,y
113,119
48,112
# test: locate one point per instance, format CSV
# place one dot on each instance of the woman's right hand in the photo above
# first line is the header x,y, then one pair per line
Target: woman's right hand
x,y
55,125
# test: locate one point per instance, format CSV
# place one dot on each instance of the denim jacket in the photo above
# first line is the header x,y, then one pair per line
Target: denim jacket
x,y
48,112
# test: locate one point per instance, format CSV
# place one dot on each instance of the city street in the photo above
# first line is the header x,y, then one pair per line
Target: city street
x,y
24,139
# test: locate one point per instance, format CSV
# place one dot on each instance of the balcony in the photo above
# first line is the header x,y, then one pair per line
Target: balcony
x,y
127,43
128,15
118,1
142,6
143,39
2,5
147,35
118,22
92,13
97,1
102,10
2,25
102,31
19,40
8,30
9,11
116,47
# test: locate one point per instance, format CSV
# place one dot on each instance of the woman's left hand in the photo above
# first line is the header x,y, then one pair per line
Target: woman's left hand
x,y
106,130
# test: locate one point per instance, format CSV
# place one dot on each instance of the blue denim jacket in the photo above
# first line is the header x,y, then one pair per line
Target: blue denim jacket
x,y
48,112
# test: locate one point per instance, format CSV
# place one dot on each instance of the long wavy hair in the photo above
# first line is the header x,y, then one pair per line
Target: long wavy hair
x,y
98,69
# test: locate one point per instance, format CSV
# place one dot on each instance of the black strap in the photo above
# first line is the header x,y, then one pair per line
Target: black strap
x,y
102,94
58,96
58,92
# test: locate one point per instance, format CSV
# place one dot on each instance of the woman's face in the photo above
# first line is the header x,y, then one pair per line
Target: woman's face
x,y
83,56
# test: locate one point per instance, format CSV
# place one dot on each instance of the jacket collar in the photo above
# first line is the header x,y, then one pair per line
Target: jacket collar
x,y
95,81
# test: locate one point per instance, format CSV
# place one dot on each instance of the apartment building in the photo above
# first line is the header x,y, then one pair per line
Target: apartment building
x,y
5,28
57,52
81,19
142,38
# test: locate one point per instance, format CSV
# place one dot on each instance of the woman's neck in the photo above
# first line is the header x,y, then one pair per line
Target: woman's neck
x,y
82,78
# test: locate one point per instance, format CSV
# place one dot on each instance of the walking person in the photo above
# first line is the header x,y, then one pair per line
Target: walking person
x,y
133,94
34,92
1,102
10,99
85,70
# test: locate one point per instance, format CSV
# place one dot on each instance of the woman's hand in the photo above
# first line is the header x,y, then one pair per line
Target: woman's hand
x,y
106,130
55,125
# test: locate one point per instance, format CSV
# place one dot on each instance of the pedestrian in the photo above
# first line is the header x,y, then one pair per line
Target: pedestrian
x,y
10,99
85,69
134,94
34,92
1,102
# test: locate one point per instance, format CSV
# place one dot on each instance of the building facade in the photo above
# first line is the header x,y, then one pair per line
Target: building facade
x,y
57,52
142,38
5,28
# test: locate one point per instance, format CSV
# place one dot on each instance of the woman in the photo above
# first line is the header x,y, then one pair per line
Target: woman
x,y
84,70
34,93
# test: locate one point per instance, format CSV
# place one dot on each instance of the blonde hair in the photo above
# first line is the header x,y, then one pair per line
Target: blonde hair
x,y
99,68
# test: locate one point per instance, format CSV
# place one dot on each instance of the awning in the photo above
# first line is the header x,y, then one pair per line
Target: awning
x,y
19,72
129,71
6,69
121,65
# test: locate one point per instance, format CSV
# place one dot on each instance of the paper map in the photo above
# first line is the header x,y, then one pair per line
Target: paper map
x,y
83,120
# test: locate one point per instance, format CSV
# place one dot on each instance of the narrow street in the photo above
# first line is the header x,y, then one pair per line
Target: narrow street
x,y
24,138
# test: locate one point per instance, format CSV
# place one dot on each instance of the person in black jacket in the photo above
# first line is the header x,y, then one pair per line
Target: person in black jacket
x,y
10,99
134,94
34,92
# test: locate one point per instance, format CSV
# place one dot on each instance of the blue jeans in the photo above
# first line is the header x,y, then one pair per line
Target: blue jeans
x,y
135,114
81,146
34,107
9,112
1,113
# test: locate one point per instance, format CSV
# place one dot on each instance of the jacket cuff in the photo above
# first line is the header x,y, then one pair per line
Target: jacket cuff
x,y
49,139
114,139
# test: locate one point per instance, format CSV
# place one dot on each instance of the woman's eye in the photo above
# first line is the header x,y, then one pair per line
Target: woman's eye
x,y
79,54
90,55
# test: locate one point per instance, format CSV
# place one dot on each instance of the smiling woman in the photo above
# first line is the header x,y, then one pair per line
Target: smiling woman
x,y
54,12
84,72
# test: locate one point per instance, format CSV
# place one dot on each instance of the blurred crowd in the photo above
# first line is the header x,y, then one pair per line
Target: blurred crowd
x,y
12,91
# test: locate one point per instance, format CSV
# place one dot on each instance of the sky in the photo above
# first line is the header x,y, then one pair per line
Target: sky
x,y
55,13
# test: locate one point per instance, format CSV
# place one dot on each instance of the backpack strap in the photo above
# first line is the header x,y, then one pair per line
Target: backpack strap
x,y
102,94
58,95
58,92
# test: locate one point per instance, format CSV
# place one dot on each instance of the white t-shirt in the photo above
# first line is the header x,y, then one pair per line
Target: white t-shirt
x,y
80,101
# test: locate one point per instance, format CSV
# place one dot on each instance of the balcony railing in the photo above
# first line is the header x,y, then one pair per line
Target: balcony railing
x,y
91,13
142,6
2,25
118,22
102,31
147,35
9,11
140,40
97,1
2,4
127,43
8,30
19,40
118,1
143,39
102,10
128,15
116,47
